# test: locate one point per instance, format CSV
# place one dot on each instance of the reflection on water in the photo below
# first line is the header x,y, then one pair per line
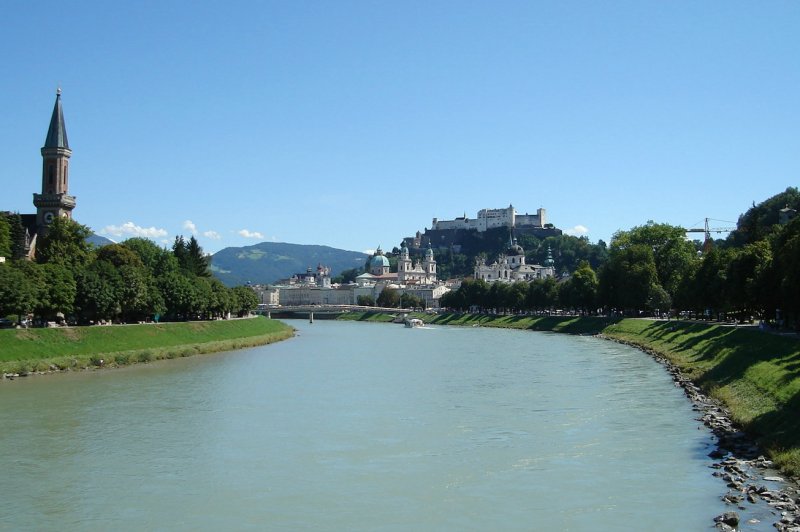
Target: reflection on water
x,y
360,427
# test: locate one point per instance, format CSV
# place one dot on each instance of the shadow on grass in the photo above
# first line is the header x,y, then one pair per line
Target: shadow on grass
x,y
779,429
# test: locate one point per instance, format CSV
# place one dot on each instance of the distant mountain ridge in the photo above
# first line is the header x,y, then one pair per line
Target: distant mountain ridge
x,y
269,262
98,241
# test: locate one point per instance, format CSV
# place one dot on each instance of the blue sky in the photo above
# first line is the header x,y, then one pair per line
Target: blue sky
x,y
353,124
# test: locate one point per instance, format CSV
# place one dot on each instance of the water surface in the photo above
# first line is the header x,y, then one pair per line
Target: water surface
x,y
355,426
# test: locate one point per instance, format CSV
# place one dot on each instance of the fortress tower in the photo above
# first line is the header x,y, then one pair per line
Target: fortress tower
x,y
54,199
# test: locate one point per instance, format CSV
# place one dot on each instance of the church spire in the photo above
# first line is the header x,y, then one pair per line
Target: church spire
x,y
57,133
54,201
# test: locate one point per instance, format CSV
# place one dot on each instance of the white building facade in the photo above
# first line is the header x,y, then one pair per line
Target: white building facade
x,y
511,267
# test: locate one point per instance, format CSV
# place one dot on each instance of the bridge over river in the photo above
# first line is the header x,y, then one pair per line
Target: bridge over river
x,y
321,311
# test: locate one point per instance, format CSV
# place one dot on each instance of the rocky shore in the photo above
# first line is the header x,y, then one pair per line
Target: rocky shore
x,y
755,490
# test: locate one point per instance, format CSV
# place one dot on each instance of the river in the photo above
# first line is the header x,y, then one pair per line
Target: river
x,y
358,426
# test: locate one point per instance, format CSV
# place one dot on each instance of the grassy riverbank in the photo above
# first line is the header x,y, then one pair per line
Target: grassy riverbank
x,y
755,374
32,350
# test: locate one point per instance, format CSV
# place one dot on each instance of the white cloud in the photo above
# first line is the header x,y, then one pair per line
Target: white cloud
x,y
130,229
368,252
190,226
250,234
213,235
578,230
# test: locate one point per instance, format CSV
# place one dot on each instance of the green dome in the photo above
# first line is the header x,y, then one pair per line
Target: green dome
x,y
378,261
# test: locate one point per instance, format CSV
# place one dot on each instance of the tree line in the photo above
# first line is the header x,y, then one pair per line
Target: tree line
x,y
133,281
653,268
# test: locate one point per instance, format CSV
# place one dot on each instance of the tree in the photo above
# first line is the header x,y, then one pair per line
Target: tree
x,y
16,235
542,294
245,299
497,298
158,260
197,262
365,301
454,299
65,243
178,294
516,296
119,255
18,292
388,298
190,256
204,298
98,292
786,271
135,294
475,293
347,276
59,291
709,284
672,253
179,251
411,301
760,220
748,284
580,290
628,276
5,237
658,300
222,298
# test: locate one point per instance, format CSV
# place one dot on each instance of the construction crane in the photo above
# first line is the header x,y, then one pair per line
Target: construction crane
x,y
707,230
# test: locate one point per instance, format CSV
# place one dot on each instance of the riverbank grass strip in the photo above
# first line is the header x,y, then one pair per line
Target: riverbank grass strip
x,y
31,350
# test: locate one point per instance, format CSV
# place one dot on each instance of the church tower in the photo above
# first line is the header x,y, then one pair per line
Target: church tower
x,y
404,262
430,263
54,199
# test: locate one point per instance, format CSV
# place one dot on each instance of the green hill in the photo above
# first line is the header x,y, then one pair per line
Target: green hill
x,y
268,262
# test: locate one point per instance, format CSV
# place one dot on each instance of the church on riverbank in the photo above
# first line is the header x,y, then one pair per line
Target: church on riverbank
x,y
54,200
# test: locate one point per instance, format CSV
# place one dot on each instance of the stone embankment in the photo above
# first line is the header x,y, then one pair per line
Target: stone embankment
x,y
754,488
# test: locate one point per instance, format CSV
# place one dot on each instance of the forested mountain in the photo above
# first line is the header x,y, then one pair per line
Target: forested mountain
x,y
268,262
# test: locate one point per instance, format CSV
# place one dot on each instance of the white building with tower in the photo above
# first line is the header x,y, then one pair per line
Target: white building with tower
x,y
511,267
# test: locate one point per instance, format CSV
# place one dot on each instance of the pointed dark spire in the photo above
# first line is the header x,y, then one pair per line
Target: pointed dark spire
x,y
57,134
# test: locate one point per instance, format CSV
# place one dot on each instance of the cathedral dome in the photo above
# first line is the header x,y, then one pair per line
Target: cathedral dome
x,y
515,249
379,261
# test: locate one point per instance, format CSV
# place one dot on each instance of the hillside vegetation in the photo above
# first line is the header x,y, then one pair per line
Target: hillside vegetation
x,y
27,350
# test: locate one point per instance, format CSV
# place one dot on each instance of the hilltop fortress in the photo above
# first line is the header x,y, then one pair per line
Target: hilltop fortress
x,y
450,233
491,218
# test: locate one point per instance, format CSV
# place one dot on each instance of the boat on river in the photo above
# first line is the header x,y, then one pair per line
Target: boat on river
x,y
414,322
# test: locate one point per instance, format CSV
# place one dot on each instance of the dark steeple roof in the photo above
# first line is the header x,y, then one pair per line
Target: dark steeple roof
x,y
57,134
